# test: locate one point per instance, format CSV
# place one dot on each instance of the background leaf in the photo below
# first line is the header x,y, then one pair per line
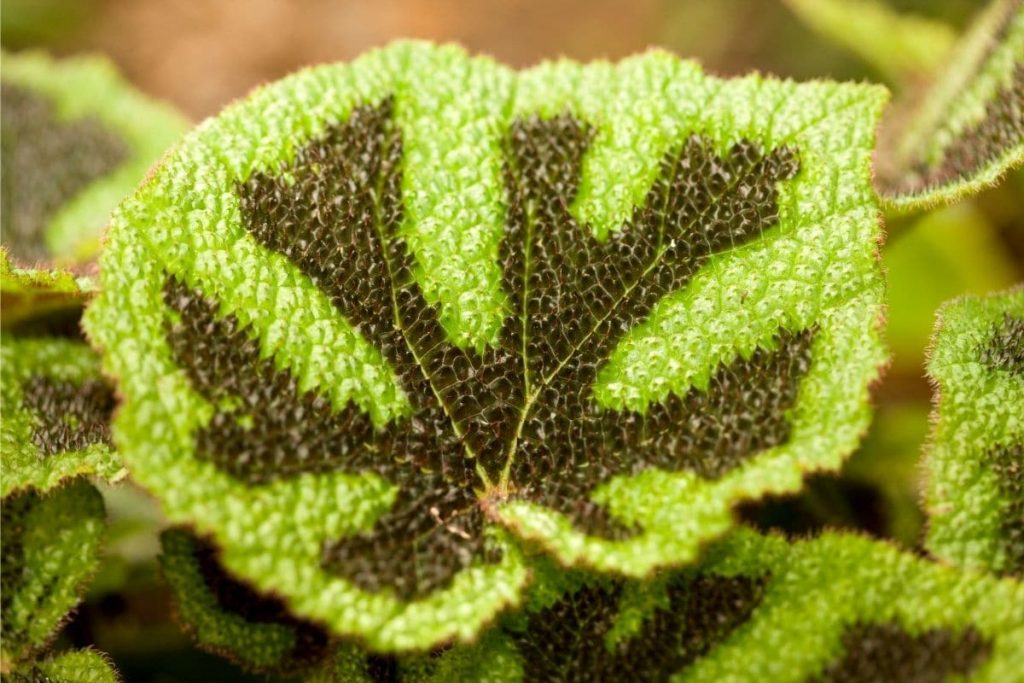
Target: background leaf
x,y
82,666
974,494
50,548
56,414
76,139
967,130
860,610
901,47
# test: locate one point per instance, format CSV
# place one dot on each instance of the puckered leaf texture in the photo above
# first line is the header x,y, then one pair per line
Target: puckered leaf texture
x,y
56,413
76,139
79,666
759,608
975,461
227,617
380,318
50,547
967,130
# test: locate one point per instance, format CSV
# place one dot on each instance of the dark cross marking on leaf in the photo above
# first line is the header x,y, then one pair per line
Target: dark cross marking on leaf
x,y
275,430
68,416
519,418
887,653
46,162
235,597
567,641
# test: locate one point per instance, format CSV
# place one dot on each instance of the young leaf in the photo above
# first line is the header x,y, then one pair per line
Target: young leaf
x,y
56,414
76,139
227,617
80,666
967,130
834,609
376,308
975,461
50,545
902,47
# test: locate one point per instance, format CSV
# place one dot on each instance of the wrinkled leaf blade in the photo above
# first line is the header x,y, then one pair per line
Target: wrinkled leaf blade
x,y
818,270
973,460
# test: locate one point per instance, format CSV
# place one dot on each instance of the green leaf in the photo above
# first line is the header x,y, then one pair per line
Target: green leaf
x,y
76,139
80,666
492,659
902,47
374,311
836,608
227,617
56,414
31,297
967,130
975,492
50,546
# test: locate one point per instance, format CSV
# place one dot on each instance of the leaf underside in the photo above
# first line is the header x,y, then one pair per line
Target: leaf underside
x,y
968,129
975,493
340,367
50,548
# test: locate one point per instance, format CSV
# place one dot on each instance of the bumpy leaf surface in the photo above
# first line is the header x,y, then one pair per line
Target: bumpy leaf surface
x,y
376,309
967,130
74,667
227,617
49,547
975,461
76,138
835,608
81,666
56,413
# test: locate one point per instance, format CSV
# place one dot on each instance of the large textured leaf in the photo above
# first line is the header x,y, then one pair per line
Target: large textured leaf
x,y
376,308
839,608
80,666
975,462
902,47
50,545
76,139
56,413
227,617
967,130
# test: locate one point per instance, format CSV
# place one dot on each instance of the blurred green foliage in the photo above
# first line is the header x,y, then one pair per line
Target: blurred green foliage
x,y
975,247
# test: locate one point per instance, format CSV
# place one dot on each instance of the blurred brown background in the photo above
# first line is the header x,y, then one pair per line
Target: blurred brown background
x,y
202,54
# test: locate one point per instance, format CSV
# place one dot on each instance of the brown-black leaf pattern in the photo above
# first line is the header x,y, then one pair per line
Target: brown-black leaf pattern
x,y
519,418
568,641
